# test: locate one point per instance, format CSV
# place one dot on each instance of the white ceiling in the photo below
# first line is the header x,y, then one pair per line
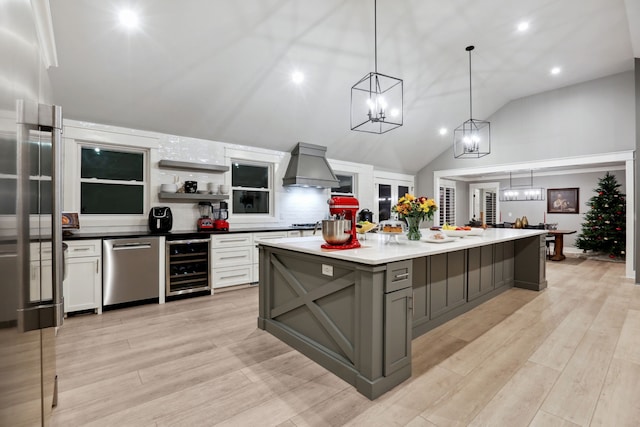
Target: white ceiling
x,y
220,70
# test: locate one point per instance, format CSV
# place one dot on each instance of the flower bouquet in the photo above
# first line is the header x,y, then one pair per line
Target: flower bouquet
x,y
414,210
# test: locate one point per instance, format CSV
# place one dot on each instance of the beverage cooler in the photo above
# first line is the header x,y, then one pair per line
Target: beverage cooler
x,y
187,266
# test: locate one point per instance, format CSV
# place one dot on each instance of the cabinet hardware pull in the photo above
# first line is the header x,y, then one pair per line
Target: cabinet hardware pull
x,y
97,266
232,257
231,277
126,246
402,276
81,249
231,240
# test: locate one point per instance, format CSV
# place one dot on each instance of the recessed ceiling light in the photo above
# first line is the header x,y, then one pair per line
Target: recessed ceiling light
x,y
443,131
556,70
297,77
523,26
128,18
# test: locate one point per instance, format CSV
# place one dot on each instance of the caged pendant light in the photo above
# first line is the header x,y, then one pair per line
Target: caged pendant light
x,y
472,139
376,99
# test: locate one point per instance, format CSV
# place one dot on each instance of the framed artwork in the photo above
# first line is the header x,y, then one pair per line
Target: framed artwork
x,y
563,200
70,221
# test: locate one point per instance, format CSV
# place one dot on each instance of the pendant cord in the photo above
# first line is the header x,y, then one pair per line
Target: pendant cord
x,y
375,34
470,96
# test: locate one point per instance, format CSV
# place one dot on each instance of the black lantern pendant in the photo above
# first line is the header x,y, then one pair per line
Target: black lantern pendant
x,y
472,139
377,99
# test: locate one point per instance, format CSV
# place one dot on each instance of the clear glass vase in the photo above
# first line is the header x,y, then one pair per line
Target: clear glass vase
x,y
413,228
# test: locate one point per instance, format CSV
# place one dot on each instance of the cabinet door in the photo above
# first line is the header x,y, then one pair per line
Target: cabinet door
x,y
397,330
83,285
480,273
448,287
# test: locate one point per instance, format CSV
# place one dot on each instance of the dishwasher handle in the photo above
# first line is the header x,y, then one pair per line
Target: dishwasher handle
x,y
128,246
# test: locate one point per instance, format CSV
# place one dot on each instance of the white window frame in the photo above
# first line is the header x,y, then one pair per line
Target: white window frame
x,y
270,190
481,204
354,184
122,218
395,180
443,212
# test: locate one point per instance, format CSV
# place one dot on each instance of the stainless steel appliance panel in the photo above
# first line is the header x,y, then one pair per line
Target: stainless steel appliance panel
x,y
131,269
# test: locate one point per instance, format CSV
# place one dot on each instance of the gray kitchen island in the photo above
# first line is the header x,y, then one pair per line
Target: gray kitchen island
x,y
356,311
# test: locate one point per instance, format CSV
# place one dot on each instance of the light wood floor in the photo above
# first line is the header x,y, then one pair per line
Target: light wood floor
x,y
567,356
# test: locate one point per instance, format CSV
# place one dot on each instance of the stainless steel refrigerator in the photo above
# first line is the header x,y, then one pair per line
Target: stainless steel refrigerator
x,y
31,255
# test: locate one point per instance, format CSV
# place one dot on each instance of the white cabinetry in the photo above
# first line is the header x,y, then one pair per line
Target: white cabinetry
x,y
231,260
234,257
82,286
257,237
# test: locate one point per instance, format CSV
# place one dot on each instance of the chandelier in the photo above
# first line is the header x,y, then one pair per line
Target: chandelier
x,y
472,139
376,99
522,192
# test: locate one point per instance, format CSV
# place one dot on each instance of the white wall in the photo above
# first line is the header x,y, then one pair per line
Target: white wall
x,y
584,119
293,204
535,211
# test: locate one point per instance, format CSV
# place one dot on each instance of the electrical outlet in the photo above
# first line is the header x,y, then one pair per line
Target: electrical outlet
x,y
327,270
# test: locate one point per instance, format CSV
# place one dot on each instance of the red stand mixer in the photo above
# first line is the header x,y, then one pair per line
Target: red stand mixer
x,y
336,232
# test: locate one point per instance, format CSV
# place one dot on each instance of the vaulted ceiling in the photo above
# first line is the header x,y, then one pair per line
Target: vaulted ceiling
x,y
221,70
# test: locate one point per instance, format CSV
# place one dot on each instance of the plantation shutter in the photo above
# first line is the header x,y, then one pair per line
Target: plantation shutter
x,y
447,206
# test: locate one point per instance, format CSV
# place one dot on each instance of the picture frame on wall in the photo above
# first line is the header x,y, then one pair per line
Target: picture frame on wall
x,y
563,200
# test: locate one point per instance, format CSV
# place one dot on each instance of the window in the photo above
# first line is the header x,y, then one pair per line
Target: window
x,y
345,186
388,195
112,181
251,187
490,207
447,205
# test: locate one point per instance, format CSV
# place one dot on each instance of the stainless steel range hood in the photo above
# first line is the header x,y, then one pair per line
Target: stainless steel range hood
x,y
309,167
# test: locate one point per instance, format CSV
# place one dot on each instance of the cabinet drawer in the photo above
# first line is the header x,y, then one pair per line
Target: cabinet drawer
x,y
269,235
229,276
257,237
84,248
231,240
398,276
231,257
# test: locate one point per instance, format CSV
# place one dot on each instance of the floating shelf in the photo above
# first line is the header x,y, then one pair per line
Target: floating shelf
x,y
188,197
175,164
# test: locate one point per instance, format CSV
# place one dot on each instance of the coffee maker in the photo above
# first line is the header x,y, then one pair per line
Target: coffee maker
x,y
221,215
205,222
344,209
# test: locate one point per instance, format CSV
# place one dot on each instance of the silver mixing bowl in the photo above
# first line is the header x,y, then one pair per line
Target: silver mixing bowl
x,y
336,231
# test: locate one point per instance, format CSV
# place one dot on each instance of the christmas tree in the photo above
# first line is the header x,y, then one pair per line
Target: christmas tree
x,y
604,226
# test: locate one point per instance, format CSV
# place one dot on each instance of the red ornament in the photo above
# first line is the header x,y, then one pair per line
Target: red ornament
x,y
618,229
611,256
601,193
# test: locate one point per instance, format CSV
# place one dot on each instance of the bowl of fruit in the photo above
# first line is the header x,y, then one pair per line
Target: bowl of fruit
x,y
457,231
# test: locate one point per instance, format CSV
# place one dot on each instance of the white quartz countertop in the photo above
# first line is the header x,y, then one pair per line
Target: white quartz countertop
x,y
381,249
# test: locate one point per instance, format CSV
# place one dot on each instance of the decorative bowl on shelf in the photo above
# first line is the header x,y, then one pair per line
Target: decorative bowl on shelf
x,y
168,188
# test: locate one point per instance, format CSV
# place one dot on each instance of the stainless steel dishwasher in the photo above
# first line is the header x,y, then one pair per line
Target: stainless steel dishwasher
x,y
131,269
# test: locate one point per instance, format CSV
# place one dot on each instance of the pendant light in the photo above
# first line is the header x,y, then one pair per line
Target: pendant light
x,y
523,192
472,139
377,99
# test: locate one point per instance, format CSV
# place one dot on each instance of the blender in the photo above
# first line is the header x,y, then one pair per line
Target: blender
x,y
205,222
221,215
